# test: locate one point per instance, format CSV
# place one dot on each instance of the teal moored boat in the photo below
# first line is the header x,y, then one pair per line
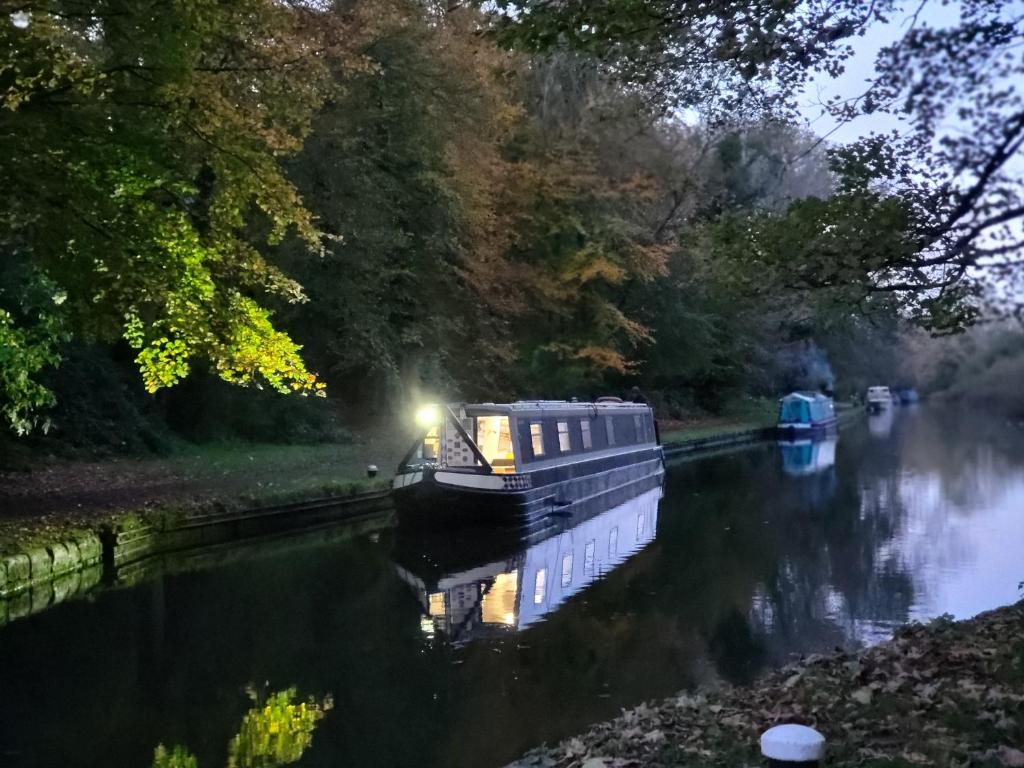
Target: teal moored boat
x,y
805,412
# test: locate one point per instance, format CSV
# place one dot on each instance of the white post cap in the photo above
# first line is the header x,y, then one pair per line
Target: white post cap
x,y
793,744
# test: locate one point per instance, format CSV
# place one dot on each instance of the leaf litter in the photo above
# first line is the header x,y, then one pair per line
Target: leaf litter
x,y
942,694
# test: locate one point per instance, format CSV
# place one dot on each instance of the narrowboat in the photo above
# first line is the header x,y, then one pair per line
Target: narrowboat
x,y
879,398
805,412
520,464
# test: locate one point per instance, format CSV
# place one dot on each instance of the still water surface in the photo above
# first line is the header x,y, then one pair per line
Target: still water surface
x,y
425,653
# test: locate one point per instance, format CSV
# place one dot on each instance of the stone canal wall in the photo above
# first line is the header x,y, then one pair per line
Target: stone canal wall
x,y
41,575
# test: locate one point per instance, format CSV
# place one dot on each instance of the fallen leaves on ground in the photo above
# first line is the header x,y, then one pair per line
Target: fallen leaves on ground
x,y
943,694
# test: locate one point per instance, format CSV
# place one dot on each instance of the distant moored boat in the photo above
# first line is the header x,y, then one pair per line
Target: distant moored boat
x,y
879,397
805,412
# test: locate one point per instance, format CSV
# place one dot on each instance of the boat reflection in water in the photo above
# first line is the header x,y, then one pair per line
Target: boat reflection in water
x,y
466,594
807,456
880,423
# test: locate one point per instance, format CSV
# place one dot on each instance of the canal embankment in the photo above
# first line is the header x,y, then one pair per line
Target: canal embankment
x,y
945,693
68,526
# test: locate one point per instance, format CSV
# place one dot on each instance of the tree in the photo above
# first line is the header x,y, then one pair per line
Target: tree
x,y
140,144
931,215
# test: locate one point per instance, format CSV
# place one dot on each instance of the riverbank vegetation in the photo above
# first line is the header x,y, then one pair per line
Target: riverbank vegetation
x,y
946,693
217,215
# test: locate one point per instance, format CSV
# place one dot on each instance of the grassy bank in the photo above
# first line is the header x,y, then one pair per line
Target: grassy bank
x,y
54,518
943,694
744,416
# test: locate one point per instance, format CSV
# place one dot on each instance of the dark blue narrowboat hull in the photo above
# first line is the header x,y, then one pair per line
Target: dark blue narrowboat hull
x,y
542,496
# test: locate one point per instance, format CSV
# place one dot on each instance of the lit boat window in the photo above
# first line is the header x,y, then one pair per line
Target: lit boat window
x,y
588,558
563,436
613,540
639,526
611,430
585,431
537,439
494,439
538,586
567,569
431,445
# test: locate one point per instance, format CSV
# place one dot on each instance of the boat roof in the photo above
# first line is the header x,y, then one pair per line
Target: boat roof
x,y
551,406
809,396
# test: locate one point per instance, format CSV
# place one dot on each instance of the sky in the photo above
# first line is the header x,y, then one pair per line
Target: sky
x,y
860,69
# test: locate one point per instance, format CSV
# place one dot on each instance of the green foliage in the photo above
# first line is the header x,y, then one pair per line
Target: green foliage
x,y
31,329
140,144
178,757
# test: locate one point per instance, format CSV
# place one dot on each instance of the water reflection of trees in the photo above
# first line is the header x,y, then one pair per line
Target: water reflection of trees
x,y
275,732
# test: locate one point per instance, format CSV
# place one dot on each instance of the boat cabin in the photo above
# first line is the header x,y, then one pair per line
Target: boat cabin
x,y
806,410
518,437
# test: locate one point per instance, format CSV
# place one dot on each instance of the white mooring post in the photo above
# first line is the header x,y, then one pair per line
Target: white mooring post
x,y
793,745
371,470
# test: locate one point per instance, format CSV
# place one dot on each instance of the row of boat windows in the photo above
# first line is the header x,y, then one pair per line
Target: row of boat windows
x,y
538,438
584,434
540,579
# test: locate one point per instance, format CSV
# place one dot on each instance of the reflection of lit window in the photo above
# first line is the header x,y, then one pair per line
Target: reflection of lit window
x,y
563,436
566,569
585,431
538,586
437,604
588,558
613,540
537,438
494,438
639,525
498,604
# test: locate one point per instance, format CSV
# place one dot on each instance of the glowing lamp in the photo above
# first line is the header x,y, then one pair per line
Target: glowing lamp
x,y
428,416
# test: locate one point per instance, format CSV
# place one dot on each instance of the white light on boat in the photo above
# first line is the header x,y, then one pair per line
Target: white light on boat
x,y
428,416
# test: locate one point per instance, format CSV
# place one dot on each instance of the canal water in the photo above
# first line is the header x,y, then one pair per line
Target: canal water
x,y
389,650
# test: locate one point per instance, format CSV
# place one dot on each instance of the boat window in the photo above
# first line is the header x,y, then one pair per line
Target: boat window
x,y
563,436
431,445
588,558
639,526
638,429
613,541
625,431
494,438
538,586
537,439
585,431
567,569
611,430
